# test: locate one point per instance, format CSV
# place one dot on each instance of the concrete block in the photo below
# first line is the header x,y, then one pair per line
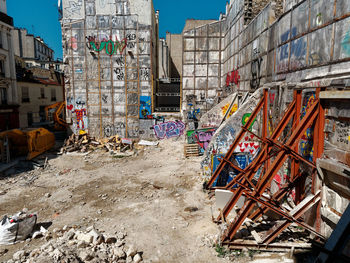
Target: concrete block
x,y
327,213
223,196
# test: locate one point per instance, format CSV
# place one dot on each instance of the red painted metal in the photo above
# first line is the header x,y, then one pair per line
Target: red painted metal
x,y
254,166
235,143
265,182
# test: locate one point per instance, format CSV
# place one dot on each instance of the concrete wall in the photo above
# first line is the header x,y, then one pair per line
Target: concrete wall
x,y
192,23
334,167
201,70
163,56
296,47
23,43
308,41
35,100
226,133
215,116
112,85
174,42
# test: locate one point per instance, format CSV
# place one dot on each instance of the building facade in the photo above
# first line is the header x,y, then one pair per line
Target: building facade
x,y
34,51
8,86
110,48
37,88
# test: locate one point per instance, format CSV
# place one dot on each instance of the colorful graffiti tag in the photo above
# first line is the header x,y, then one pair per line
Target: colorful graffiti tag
x,y
225,108
306,143
77,107
202,137
232,77
169,129
245,118
111,47
145,107
193,114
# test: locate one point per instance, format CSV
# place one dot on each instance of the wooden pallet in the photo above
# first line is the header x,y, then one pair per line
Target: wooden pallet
x,y
191,150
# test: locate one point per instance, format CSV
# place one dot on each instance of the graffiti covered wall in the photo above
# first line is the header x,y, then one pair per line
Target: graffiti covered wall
x,y
214,117
108,50
294,47
223,138
201,66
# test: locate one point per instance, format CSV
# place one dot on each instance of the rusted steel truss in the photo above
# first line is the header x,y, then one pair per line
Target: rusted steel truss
x,y
270,160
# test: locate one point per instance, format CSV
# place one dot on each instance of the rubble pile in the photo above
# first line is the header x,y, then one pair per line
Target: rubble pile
x,y
84,143
73,245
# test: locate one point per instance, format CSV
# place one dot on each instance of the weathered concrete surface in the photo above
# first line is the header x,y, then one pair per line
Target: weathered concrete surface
x,y
214,117
110,53
225,135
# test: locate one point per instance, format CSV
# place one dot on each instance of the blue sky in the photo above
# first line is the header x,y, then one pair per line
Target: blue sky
x,y
41,18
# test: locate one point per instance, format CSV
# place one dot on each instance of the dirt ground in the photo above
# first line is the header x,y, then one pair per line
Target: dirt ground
x,y
155,196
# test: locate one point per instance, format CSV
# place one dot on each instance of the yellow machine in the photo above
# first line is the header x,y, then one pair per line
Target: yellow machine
x,y
31,143
57,115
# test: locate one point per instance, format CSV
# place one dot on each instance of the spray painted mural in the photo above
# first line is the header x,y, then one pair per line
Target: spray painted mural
x,y
306,147
77,109
145,107
201,137
225,135
214,117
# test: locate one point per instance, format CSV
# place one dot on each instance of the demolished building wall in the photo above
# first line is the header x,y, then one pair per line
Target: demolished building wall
x,y
308,41
201,68
109,51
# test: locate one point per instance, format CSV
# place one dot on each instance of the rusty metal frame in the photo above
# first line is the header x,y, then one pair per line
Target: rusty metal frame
x,y
254,194
239,137
261,158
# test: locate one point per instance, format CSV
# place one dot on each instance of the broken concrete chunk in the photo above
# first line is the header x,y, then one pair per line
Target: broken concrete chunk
x,y
119,252
19,255
85,256
137,258
131,251
85,237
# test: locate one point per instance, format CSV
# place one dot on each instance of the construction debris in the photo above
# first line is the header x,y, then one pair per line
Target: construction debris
x,y
148,143
70,244
84,143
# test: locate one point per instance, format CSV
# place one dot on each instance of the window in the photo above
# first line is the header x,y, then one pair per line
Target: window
x,y
53,94
42,65
25,94
30,118
3,94
2,68
42,93
42,115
